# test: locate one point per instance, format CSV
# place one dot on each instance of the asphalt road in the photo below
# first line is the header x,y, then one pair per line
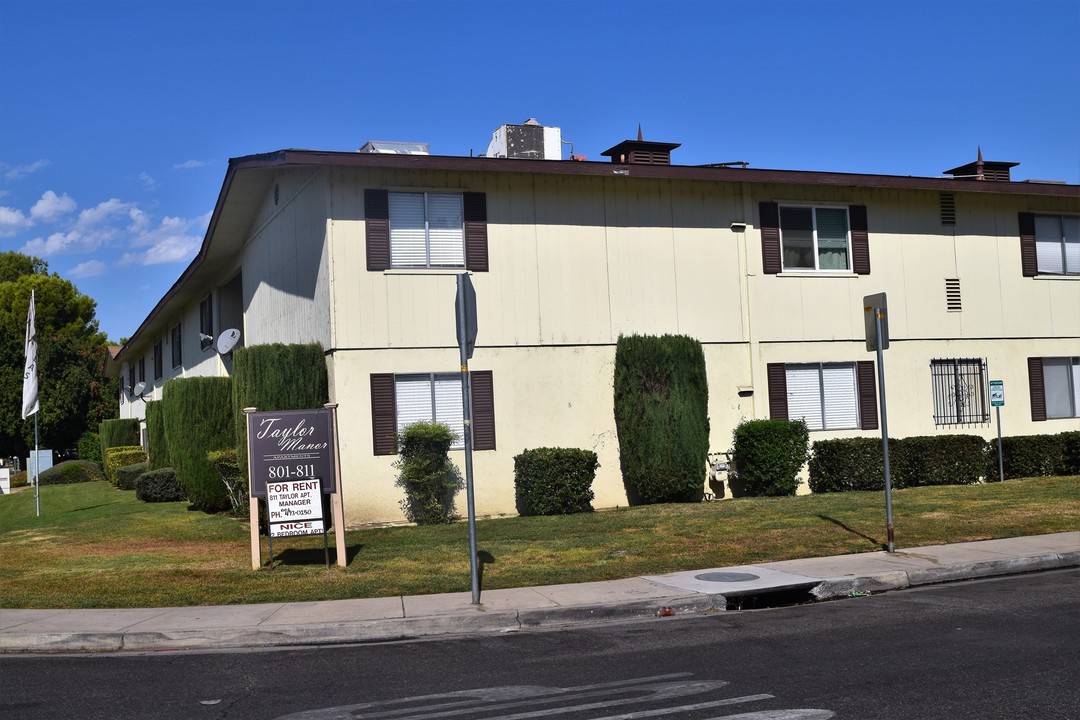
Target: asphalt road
x,y
1002,648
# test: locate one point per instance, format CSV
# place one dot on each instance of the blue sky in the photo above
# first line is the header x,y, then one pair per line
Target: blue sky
x,y
117,119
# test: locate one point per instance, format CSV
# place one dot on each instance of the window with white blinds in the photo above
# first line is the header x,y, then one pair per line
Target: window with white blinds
x,y
426,230
1061,379
431,397
824,395
1057,244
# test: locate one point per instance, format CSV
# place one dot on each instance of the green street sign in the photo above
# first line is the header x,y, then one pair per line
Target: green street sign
x,y
997,393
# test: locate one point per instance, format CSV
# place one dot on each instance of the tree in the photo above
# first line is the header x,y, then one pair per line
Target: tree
x,y
73,393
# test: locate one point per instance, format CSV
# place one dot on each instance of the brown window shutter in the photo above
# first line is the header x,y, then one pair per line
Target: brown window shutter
x,y
777,391
867,394
1036,389
476,241
383,414
483,409
1029,260
860,240
771,262
377,223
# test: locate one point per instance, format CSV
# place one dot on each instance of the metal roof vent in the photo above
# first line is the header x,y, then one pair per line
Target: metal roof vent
x,y
641,152
395,148
989,170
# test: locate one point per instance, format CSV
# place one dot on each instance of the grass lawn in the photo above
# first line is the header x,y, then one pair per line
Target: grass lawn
x,y
96,546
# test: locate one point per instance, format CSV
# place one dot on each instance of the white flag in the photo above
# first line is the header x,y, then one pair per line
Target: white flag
x,y
30,386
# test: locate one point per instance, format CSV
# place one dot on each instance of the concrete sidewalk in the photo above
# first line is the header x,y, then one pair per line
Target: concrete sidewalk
x,y
379,619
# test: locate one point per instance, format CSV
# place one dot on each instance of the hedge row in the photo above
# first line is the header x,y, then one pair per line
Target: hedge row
x,y
121,456
856,463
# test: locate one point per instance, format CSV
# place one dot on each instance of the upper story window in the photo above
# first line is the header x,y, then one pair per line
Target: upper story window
x,y
175,339
1050,244
142,369
159,361
809,238
425,230
814,238
206,322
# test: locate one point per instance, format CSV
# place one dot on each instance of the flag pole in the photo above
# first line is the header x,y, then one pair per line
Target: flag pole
x,y
37,471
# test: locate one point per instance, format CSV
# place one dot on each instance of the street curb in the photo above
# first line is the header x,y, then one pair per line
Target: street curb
x,y
847,586
481,620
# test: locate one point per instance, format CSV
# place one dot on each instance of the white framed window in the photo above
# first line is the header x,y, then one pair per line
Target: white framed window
x,y
426,230
431,397
1061,383
960,388
825,395
815,238
1057,244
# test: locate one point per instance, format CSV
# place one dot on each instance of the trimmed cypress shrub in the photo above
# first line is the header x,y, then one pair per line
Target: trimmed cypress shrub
x,y
118,457
198,419
848,464
89,447
118,433
160,485
429,478
158,450
127,475
554,481
768,455
276,377
661,417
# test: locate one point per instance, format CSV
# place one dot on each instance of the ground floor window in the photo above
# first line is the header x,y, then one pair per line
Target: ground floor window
x,y
398,400
960,391
1054,383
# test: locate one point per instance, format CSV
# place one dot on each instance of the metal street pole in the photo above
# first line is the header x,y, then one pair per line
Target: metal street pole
x,y
878,313
1001,460
466,404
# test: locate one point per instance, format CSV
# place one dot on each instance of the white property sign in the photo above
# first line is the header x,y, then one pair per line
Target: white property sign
x,y
295,507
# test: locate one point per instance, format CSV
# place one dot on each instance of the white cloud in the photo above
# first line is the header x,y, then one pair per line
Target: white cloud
x,y
189,165
147,180
52,206
90,268
20,171
173,240
12,221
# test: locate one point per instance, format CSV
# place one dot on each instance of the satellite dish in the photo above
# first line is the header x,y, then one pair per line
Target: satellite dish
x,y
227,340
139,389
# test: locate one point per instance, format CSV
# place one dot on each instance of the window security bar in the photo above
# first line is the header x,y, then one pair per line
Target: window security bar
x,y
960,389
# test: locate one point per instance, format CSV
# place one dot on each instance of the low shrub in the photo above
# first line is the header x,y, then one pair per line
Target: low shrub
x,y
19,479
228,467
848,464
429,478
937,460
768,455
118,457
554,481
159,486
71,472
127,476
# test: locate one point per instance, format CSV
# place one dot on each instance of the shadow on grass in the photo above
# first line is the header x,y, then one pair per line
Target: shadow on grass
x,y
881,545
314,556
